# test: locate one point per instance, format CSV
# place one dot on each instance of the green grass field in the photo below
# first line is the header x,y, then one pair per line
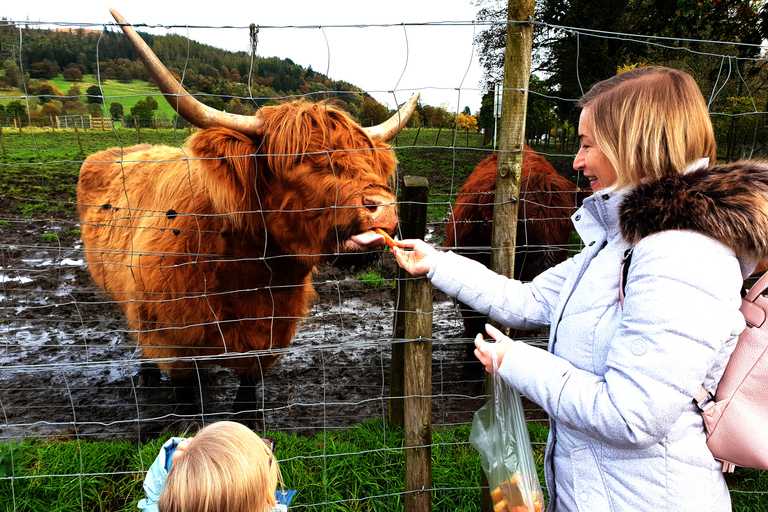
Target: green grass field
x,y
127,94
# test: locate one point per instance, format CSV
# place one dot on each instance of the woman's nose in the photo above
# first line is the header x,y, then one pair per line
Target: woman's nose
x,y
578,162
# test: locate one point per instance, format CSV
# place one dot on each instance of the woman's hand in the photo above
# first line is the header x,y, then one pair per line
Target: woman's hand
x,y
484,351
179,451
417,262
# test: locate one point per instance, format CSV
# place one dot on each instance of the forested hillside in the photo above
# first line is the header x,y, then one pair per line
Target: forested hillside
x,y
73,54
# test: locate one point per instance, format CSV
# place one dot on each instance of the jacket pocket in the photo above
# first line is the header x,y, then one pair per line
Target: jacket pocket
x,y
590,493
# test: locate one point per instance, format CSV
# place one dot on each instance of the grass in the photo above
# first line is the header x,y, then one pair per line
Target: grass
x,y
376,279
127,94
360,469
357,469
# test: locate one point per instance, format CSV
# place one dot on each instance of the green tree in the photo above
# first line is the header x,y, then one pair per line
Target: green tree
x,y
372,112
94,94
485,119
573,60
45,68
116,110
12,74
152,102
16,109
143,111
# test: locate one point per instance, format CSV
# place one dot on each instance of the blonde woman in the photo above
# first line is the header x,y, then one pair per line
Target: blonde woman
x,y
225,467
618,381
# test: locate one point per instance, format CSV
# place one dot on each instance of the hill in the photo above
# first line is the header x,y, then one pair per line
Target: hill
x,y
222,77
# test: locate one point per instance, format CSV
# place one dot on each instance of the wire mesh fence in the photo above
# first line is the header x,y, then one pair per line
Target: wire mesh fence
x,y
72,369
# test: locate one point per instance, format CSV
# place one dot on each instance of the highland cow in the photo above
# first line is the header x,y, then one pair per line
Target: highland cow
x,y
544,228
209,248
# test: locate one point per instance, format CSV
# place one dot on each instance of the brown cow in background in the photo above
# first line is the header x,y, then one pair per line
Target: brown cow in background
x,y
209,248
547,200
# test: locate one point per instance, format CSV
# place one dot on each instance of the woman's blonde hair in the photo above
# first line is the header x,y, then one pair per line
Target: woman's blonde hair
x,y
226,468
650,122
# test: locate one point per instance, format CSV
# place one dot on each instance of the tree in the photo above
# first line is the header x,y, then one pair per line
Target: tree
x,y
152,102
372,112
16,109
573,60
116,110
437,117
94,94
50,109
124,76
44,69
74,90
74,107
466,122
143,111
72,75
12,73
486,119
46,92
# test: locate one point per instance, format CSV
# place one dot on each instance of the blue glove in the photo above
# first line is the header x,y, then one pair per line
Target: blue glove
x,y
154,482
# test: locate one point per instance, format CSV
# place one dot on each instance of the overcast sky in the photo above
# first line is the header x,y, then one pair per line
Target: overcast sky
x,y
390,49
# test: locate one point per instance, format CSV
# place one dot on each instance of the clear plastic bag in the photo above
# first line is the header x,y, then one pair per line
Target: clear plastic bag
x,y
500,435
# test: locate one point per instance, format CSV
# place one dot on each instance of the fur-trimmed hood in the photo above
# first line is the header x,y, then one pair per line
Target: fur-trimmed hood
x,y
726,202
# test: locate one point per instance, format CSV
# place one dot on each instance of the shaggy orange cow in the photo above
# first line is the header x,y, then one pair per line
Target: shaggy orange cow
x,y
544,228
209,248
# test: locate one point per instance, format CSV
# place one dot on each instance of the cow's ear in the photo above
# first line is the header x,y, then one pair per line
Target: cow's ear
x,y
226,163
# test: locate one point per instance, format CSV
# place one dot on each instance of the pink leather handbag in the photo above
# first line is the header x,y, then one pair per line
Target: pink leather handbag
x,y
736,417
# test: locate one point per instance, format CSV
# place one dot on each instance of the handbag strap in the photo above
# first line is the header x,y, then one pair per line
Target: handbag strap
x,y
759,287
625,272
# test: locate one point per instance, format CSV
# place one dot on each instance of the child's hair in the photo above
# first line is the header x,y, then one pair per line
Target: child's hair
x,y
226,468
650,122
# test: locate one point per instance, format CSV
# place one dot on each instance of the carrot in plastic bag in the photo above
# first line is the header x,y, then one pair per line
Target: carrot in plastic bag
x,y
390,241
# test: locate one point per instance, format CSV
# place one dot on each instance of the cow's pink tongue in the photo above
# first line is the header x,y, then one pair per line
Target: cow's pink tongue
x,y
368,238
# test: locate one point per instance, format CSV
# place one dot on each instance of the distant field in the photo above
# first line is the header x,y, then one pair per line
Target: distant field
x,y
128,94
40,168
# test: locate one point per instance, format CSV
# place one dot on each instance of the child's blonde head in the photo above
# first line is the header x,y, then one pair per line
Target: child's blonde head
x,y
226,468
650,122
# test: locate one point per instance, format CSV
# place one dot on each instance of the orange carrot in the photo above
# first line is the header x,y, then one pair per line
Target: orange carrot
x,y
387,238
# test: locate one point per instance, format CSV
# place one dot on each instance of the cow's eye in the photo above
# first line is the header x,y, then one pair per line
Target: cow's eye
x,y
370,204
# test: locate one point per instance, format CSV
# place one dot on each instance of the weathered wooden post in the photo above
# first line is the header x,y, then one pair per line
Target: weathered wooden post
x,y
411,367
517,70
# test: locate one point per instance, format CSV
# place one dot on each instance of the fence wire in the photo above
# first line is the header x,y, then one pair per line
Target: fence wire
x,y
72,369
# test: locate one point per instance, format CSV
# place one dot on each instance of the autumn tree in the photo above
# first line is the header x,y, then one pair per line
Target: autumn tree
x,y
72,75
466,122
50,109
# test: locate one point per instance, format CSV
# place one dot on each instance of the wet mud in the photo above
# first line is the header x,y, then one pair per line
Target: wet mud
x,y
68,365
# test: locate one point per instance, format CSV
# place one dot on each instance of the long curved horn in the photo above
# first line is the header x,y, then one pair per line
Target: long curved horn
x,y
196,113
387,130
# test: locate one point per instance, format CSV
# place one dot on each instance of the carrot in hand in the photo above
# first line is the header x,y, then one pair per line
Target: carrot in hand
x,y
390,242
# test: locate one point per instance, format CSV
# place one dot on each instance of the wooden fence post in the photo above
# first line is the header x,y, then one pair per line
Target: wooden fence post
x,y
517,70
411,367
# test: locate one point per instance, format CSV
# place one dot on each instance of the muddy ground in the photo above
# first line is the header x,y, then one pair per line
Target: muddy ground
x,y
68,365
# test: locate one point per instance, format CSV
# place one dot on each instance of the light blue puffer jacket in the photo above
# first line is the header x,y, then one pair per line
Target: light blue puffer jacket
x,y
618,383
